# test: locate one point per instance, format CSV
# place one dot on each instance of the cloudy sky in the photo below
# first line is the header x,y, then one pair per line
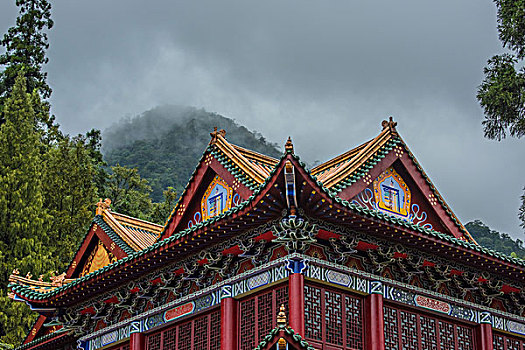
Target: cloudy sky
x,y
324,72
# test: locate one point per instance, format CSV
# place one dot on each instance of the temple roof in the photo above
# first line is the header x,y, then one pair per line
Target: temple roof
x,y
328,168
128,233
137,234
325,193
255,165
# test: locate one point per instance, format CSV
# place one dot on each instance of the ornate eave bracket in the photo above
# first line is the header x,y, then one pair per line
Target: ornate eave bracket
x,y
295,232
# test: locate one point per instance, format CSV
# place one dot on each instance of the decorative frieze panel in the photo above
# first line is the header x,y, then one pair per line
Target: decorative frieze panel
x,y
412,266
202,300
315,269
342,276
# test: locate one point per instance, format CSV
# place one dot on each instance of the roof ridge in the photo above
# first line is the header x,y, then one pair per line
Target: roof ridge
x,y
338,159
229,150
263,157
124,233
363,155
154,226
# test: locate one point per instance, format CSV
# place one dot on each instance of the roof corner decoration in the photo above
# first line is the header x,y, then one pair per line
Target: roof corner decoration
x,y
281,317
102,206
55,281
288,146
214,134
389,124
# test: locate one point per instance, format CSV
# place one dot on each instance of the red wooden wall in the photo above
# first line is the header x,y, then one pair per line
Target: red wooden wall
x,y
258,315
200,333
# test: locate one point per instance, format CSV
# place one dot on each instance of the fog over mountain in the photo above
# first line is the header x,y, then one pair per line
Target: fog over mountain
x,y
325,73
166,143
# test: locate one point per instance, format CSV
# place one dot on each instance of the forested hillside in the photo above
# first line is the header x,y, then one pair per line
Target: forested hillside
x,y
165,144
500,242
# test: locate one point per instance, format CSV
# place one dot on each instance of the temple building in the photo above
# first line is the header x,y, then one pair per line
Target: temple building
x,y
360,252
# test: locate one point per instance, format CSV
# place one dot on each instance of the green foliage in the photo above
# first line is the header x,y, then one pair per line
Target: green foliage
x,y
129,193
491,239
511,25
165,144
502,96
502,93
22,214
26,44
69,193
161,211
47,191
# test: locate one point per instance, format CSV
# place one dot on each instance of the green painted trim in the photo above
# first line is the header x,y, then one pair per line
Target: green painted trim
x,y
288,330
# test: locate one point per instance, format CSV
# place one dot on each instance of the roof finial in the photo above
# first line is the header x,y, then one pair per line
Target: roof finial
x,y
103,205
281,317
391,124
214,134
288,146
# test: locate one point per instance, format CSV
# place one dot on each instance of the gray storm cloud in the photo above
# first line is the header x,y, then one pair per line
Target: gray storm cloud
x,y
325,73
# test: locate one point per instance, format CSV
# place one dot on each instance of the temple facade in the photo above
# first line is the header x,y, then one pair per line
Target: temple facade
x,y
360,252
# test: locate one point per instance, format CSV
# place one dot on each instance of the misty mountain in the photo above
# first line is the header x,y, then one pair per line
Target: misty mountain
x,y
166,142
501,242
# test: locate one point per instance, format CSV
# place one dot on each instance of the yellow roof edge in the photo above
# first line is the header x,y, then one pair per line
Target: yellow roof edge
x,y
336,160
121,231
138,223
256,174
363,155
256,155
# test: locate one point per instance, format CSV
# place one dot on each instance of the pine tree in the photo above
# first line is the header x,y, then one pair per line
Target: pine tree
x,y
129,193
26,44
22,213
69,193
161,211
502,92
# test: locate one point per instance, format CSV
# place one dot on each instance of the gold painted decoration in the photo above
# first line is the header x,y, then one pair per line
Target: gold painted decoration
x,y
99,258
217,199
392,194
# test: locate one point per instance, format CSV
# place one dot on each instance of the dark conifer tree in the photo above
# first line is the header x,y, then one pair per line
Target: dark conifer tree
x,y
502,92
26,44
23,218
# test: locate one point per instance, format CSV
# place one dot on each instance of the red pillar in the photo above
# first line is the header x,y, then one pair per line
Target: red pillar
x,y
229,324
137,341
484,333
296,302
375,323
